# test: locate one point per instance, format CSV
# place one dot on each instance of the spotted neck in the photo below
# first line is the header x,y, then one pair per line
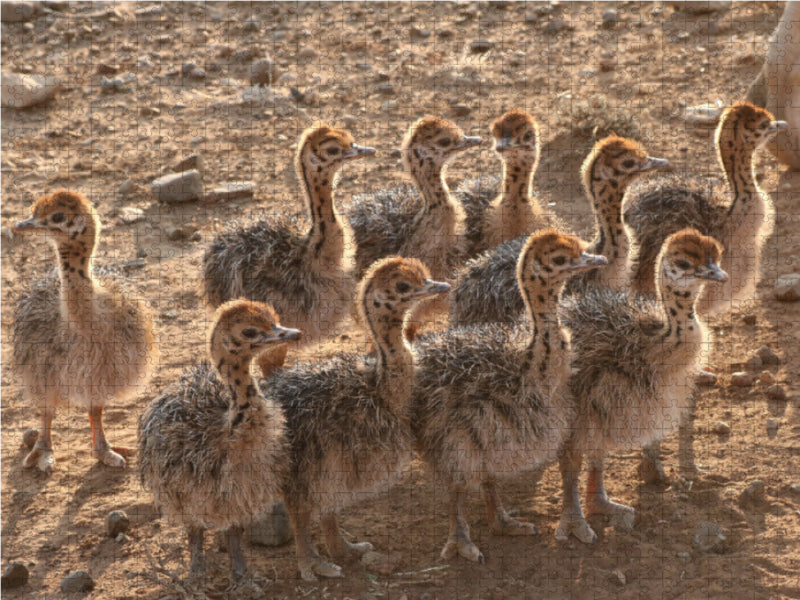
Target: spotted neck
x,y
612,239
326,237
75,270
517,183
737,164
548,342
232,361
678,305
395,360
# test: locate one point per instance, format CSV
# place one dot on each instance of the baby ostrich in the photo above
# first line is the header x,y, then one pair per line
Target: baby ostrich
x,y
430,228
490,399
515,211
307,276
212,448
487,290
83,341
347,419
631,384
738,213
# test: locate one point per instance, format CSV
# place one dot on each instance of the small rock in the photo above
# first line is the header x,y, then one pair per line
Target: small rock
x,y
618,577
130,214
754,363
149,111
386,88
125,188
705,378
16,575
389,106
767,356
193,161
554,26
479,46
460,110
17,12
116,84
787,288
231,190
307,55
772,427
79,581
776,392
704,115
742,379
699,7
251,24
106,69
606,60
178,187
296,94
273,528
380,563
610,18
795,488
419,34
753,493
149,12
22,91
178,234
29,438
708,537
117,522
684,557
766,378
396,153
721,428
122,538
445,34
749,319
264,72
245,55
7,235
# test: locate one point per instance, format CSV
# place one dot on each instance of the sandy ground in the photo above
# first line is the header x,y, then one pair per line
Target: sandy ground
x,y
544,58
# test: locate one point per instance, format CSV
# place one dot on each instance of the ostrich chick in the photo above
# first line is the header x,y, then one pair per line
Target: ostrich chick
x,y
348,418
487,289
631,384
212,448
490,399
496,218
307,276
82,341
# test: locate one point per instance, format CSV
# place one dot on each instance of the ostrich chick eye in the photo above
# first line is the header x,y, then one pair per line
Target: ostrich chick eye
x,y
57,217
683,264
445,142
527,137
628,164
559,260
402,287
250,332
333,151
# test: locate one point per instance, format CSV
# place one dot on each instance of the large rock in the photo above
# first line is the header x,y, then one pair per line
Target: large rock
x,y
79,581
787,288
22,91
16,575
117,522
178,187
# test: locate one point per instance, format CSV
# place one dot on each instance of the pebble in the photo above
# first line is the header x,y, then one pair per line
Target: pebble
x,y
307,55
130,214
178,234
396,153
388,106
380,563
251,24
768,357
742,379
610,18
149,12
16,575
706,378
776,392
178,187
264,72
618,577
117,522
22,91
795,488
17,12
554,26
478,46
684,557
243,56
772,427
766,378
787,288
273,528
116,84
79,581
445,34
125,188
122,538
386,88
606,60
149,111
721,428
193,161
749,319
754,363
419,34
460,110
703,115
106,69
231,190
708,537
29,438
753,493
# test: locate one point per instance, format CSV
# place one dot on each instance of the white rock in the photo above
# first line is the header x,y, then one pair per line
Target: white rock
x,y
178,187
787,288
21,91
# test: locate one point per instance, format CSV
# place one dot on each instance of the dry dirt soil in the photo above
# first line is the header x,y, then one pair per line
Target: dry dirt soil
x,y
339,56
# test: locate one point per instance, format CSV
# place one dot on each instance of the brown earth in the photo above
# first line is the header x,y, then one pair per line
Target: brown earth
x,y
544,58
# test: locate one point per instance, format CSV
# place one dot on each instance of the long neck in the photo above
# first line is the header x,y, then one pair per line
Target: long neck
x,y
682,324
547,342
612,239
395,361
737,163
431,184
77,285
325,239
233,366
517,182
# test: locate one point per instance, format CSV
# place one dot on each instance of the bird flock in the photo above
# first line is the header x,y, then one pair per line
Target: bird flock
x,y
557,349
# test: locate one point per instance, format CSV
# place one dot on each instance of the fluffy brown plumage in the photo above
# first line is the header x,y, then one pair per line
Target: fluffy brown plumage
x,y
631,380
77,339
306,275
490,399
348,418
487,290
212,449
429,226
